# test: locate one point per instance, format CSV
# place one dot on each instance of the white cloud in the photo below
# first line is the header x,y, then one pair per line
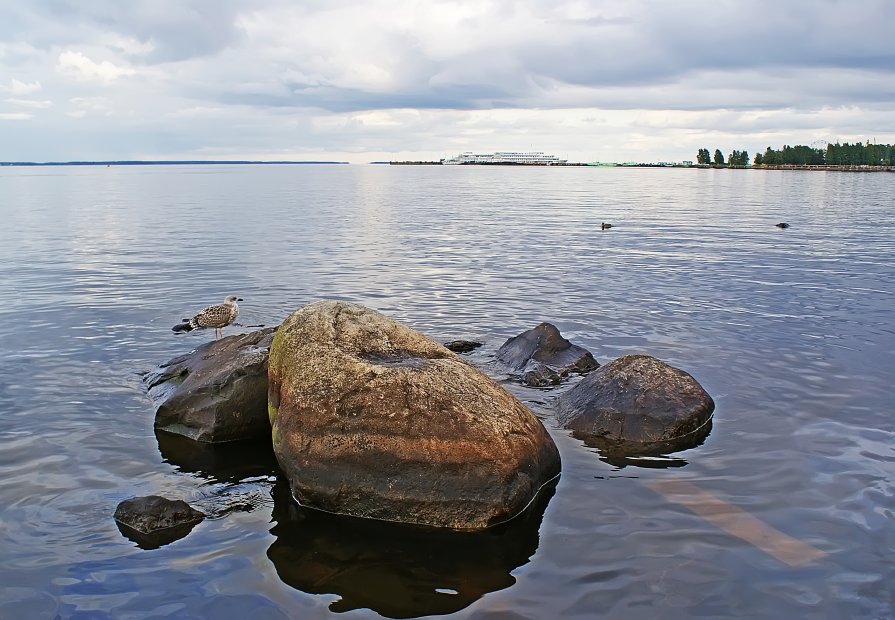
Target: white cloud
x,y
17,87
30,103
82,67
15,116
89,105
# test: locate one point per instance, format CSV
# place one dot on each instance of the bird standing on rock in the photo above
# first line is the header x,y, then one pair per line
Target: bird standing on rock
x,y
219,317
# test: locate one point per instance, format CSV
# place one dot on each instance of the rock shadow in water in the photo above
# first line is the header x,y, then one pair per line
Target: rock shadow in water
x,y
240,473
652,455
220,462
398,570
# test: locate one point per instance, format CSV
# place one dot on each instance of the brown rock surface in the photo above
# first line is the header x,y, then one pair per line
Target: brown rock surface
x,y
372,419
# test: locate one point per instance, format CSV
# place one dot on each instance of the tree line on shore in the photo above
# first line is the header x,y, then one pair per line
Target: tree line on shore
x,y
857,154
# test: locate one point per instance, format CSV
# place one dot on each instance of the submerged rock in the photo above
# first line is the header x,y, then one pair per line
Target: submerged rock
x,y
544,357
372,419
462,346
636,399
216,393
153,521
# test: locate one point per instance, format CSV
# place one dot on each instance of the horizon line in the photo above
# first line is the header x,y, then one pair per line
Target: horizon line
x,y
164,162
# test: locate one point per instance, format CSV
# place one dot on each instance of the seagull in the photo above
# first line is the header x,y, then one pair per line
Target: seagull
x,y
219,317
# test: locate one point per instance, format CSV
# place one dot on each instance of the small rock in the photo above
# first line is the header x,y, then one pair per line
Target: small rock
x,y
539,374
462,346
636,399
782,225
153,521
544,356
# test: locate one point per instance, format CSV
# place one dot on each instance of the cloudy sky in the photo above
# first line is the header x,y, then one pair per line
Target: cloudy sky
x,y
359,81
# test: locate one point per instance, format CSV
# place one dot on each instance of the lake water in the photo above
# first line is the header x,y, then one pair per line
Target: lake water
x,y
791,331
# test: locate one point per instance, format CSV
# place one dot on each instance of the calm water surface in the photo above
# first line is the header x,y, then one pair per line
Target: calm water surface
x,y
791,331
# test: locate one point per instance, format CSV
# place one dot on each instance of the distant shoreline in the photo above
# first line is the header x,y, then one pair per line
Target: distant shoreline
x,y
206,162
186,162
822,167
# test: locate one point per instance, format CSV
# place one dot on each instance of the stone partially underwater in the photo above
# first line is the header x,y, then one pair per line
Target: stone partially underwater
x,y
372,419
216,393
153,521
637,405
543,357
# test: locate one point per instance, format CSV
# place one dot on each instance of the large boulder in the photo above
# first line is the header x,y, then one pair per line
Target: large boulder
x,y
543,357
372,419
216,393
637,399
152,521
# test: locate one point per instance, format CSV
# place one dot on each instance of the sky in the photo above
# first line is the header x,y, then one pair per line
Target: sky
x,y
622,80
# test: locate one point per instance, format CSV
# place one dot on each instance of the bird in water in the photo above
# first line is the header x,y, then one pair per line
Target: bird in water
x,y
604,226
219,317
782,225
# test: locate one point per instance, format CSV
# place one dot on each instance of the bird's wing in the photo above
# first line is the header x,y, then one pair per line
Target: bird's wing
x,y
215,316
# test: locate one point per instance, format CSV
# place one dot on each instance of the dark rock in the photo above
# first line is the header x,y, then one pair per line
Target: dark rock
x,y
538,374
544,356
462,346
636,399
153,521
372,419
216,393
782,225
653,455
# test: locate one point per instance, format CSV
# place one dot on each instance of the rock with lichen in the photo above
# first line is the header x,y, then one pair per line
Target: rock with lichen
x,y
372,419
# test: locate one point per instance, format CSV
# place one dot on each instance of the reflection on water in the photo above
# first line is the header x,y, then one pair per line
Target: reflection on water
x,y
398,570
654,454
231,461
156,539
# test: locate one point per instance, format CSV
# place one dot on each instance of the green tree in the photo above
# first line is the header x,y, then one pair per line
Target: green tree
x,y
758,159
719,158
703,157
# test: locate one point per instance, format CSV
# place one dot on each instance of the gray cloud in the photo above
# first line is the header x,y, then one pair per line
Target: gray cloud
x,y
223,76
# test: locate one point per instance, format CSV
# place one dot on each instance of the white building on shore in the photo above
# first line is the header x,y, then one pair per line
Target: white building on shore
x,y
533,158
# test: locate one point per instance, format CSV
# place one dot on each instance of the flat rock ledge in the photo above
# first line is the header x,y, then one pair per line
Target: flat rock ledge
x,y
216,393
637,400
372,419
543,357
152,521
